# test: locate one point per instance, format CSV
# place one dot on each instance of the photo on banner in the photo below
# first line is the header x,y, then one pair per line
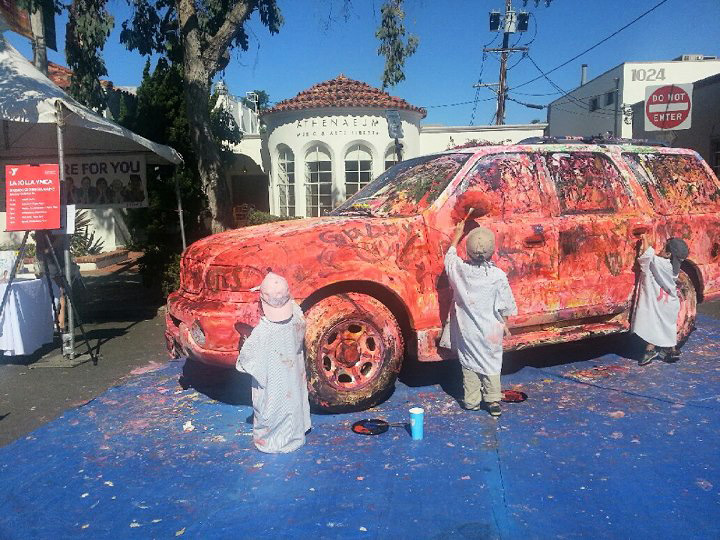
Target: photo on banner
x,y
106,181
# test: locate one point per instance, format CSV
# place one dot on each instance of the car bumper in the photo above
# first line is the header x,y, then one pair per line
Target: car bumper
x,y
224,325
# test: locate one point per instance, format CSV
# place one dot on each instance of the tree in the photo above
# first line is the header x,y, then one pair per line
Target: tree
x,y
201,33
195,34
391,34
88,28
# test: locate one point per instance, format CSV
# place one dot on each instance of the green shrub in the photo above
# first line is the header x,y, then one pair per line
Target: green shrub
x,y
258,217
29,249
171,276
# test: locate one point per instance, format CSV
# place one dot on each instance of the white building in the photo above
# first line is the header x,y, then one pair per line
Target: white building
x,y
327,142
594,108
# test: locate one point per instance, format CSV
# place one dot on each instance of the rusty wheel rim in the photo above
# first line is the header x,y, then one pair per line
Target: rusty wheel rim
x,y
350,354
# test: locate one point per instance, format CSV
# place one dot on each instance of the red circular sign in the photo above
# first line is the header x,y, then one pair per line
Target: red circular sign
x,y
668,107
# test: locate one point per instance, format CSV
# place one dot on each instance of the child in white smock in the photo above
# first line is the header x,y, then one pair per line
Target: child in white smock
x,y
658,305
482,298
273,355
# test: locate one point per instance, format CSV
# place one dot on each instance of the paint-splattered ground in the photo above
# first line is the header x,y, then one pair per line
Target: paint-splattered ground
x,y
601,449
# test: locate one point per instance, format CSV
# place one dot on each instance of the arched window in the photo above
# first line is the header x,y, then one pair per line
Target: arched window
x,y
318,181
286,181
390,158
358,169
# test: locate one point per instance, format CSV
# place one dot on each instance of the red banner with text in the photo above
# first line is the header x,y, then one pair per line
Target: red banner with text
x,y
32,195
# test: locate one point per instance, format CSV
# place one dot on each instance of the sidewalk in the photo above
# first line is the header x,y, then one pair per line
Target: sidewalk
x,y
120,315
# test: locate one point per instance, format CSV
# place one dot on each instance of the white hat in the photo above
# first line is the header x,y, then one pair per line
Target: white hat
x,y
480,244
275,297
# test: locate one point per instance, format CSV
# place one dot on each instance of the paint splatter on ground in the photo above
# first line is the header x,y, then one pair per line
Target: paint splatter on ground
x,y
633,449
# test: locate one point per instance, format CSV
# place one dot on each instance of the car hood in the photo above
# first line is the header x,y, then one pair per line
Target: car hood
x,y
232,247
303,250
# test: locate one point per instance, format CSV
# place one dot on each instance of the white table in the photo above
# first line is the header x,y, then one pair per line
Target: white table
x,y
26,323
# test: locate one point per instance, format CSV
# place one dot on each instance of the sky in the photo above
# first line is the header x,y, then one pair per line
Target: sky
x,y
321,39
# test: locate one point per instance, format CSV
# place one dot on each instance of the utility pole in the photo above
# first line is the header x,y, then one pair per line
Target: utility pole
x,y
37,23
510,23
502,88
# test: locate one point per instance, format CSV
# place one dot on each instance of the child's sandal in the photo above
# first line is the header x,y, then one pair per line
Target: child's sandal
x,y
648,357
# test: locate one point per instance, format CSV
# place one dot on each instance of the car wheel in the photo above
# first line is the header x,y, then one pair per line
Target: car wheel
x,y
688,307
354,350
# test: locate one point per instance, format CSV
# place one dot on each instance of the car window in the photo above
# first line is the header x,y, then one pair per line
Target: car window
x,y
674,183
509,180
587,182
407,188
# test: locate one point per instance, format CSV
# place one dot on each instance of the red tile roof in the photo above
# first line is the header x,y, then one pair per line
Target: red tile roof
x,y
60,75
343,92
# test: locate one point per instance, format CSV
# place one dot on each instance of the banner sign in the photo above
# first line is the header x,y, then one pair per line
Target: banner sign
x,y
106,181
32,197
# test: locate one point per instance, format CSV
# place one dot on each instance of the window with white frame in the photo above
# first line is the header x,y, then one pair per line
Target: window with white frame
x,y
318,181
286,181
358,169
390,158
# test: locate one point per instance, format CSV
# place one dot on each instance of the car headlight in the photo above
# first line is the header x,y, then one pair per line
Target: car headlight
x,y
197,333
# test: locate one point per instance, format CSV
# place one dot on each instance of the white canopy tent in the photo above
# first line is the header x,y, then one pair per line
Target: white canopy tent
x,y
38,121
29,112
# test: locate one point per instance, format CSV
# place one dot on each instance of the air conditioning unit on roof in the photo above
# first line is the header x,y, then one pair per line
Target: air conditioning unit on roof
x,y
691,57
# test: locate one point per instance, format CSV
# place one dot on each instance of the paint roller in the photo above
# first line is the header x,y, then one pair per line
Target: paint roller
x,y
473,202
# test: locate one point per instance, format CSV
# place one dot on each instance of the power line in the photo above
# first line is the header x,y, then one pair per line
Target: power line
x,y
573,100
455,104
636,19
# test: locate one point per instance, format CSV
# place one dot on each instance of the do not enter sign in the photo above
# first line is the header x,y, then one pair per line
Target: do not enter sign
x,y
668,107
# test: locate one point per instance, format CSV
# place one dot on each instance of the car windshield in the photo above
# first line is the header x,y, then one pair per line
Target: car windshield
x,y
405,189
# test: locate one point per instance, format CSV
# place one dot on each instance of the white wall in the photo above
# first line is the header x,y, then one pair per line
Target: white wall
x,y
570,115
439,138
338,130
251,146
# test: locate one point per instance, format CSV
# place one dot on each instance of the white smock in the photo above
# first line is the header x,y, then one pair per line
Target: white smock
x,y
273,355
481,299
658,305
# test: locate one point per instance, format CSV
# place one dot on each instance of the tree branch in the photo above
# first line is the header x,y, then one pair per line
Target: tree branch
x,y
220,42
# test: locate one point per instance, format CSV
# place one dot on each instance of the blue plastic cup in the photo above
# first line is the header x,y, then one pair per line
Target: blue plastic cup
x,y
417,415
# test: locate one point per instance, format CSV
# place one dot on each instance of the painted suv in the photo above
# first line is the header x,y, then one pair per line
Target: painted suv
x,y
370,278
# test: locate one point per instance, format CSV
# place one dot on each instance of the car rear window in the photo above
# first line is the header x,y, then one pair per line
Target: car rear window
x,y
675,183
407,188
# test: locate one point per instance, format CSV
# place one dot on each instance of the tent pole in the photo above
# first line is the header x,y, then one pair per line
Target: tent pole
x,y
180,211
69,337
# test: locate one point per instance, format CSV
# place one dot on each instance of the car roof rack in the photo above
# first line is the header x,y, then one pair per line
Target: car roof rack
x,y
592,139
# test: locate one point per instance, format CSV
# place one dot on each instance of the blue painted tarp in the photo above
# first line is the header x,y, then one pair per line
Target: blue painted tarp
x,y
602,448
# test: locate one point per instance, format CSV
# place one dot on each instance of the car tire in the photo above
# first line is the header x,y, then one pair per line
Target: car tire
x,y
688,307
354,349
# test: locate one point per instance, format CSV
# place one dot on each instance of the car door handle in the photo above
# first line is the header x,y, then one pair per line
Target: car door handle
x,y
534,240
